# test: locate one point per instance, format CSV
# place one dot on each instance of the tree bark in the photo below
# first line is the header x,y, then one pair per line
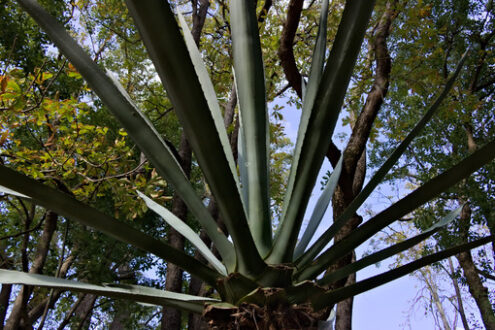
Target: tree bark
x,y
5,263
19,309
172,317
460,305
4,302
37,311
84,310
477,290
70,313
286,48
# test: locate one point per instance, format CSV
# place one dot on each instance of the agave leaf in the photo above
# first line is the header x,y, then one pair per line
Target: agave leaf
x,y
241,160
320,209
210,94
418,197
8,191
139,128
304,86
327,236
185,231
70,208
309,98
335,296
388,252
136,293
168,52
187,193
322,121
248,65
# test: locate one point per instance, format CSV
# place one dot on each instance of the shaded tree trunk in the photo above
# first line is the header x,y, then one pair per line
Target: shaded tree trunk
x,y
19,309
5,263
475,285
171,318
83,312
4,302
37,311
460,305
477,289
354,161
286,48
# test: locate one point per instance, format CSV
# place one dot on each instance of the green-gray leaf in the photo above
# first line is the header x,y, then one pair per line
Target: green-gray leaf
x,y
186,231
131,292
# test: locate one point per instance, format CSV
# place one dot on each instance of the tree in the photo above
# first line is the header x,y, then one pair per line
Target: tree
x,y
260,278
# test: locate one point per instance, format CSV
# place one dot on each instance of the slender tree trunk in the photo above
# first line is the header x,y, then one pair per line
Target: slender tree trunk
x,y
19,309
84,310
37,311
477,289
172,318
70,313
354,158
433,289
460,305
286,48
5,263
475,285
121,317
4,302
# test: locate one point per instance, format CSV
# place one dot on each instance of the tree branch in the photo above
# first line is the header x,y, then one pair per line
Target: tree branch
x,y
286,49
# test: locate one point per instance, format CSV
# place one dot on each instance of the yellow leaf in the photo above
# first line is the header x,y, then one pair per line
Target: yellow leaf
x,y
3,83
4,137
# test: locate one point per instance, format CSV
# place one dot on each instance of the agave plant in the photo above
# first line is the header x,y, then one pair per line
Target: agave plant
x,y
255,268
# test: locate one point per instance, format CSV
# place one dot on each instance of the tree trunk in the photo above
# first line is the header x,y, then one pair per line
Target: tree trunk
x,y
84,310
433,289
460,305
354,158
286,48
4,302
475,285
172,318
5,263
19,309
37,311
477,290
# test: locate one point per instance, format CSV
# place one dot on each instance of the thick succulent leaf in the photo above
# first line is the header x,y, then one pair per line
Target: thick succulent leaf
x,y
168,52
135,123
418,197
70,208
388,252
352,290
136,293
377,178
186,231
309,97
210,94
241,161
320,209
8,191
322,121
248,65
